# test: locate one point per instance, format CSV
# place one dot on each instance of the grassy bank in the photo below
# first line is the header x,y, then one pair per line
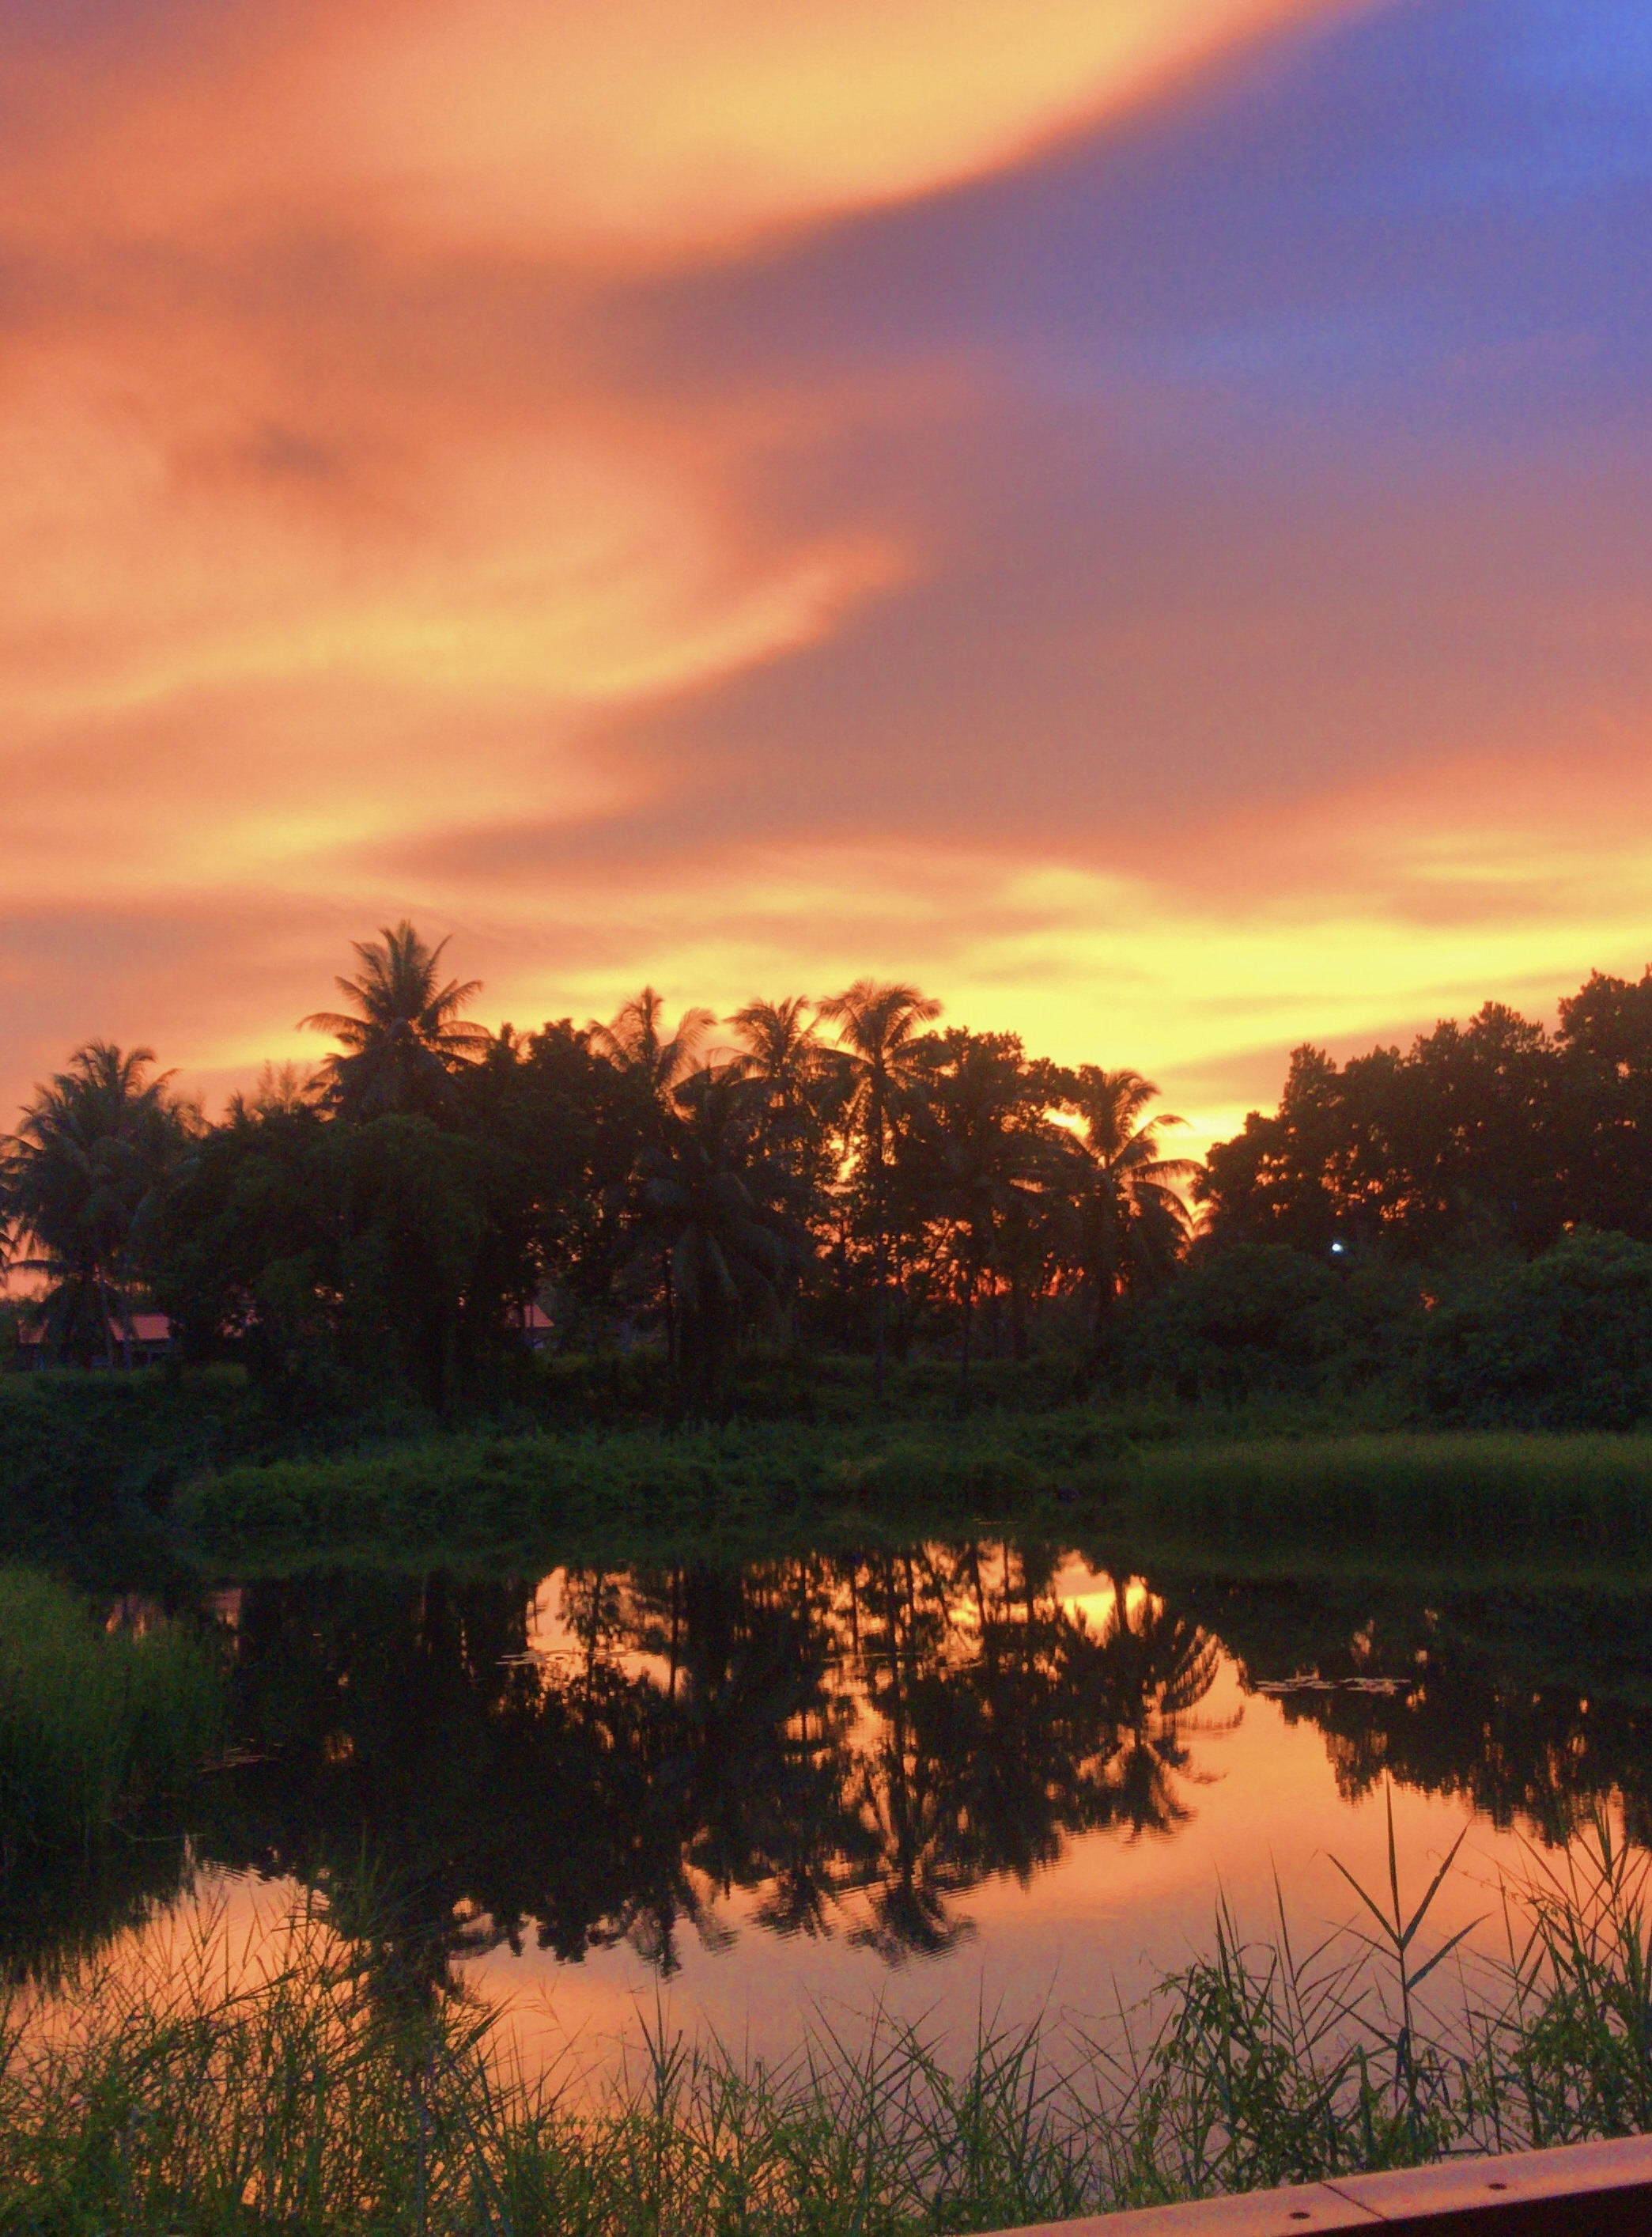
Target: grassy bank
x,y
315,2089
1462,1491
641,1493
1585,1500
91,1722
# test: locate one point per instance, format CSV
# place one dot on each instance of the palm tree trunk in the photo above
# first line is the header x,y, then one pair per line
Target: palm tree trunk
x,y
878,1247
104,1292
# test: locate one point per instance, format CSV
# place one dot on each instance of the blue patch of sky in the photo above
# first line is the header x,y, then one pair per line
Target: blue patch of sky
x,y
1437,183
1445,208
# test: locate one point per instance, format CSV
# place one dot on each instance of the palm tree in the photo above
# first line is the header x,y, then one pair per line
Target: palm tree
x,y
404,1040
995,1163
636,1041
1159,1667
1133,1222
801,1083
780,1047
79,1182
877,1025
726,1255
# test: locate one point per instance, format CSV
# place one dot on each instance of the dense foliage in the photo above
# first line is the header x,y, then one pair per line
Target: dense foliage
x,y
1493,1134
394,1222
1460,1228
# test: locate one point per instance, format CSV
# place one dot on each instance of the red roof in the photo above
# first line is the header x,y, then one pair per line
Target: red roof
x,y
147,1328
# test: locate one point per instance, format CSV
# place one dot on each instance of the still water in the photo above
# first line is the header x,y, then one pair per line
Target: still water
x,y
805,1790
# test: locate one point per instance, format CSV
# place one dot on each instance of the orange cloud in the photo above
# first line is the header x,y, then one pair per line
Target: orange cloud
x,y
438,476
641,128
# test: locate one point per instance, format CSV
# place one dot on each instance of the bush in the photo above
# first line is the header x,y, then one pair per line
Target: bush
x,y
1260,1319
1562,1342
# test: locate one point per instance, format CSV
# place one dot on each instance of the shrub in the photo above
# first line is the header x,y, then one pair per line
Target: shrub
x,y
1562,1342
1264,1319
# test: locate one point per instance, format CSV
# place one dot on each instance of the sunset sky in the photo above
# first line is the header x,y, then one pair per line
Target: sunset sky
x,y
1135,514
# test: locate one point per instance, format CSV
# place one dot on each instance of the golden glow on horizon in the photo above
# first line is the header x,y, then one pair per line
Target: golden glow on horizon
x,y
1085,965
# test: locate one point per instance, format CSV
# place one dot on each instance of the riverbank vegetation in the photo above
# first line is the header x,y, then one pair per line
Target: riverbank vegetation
x,y
93,1719
306,2082
1579,1502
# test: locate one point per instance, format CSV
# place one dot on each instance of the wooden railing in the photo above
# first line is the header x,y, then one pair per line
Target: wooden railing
x,y
1586,2190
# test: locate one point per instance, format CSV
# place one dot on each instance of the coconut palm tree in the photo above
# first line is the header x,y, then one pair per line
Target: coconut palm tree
x,y
877,1025
404,1040
79,1182
636,1041
802,1084
702,1205
1133,1221
1161,1667
991,1161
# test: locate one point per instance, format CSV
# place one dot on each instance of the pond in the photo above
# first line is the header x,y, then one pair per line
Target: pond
x,y
964,1776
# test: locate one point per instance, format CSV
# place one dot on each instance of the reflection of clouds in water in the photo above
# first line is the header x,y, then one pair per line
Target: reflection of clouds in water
x,y
903,1776
960,1717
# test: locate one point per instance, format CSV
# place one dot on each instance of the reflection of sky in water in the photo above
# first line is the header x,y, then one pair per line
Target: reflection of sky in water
x,y
1253,1786
1101,1922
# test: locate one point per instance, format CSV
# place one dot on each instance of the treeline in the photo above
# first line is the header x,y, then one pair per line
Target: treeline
x,y
848,1174
1493,1136
1466,1226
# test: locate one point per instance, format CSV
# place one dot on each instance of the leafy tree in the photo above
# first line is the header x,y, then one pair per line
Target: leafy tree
x,y
414,1208
1563,1341
1604,1121
80,1183
382,1255
245,1257
405,1040
1453,1146
877,1024
1259,1318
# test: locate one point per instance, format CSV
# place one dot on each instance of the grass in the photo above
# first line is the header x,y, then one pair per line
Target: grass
x,y
91,1721
1456,1490
641,1494
201,2090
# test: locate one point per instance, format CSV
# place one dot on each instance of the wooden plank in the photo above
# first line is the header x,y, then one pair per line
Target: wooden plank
x,y
1295,2212
1582,2190
1604,2187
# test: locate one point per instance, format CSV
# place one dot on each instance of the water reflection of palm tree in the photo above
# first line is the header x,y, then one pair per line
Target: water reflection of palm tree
x,y
993,1756
1160,1667
880,1733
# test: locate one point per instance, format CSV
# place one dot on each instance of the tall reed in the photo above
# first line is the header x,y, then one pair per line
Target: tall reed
x,y
90,1721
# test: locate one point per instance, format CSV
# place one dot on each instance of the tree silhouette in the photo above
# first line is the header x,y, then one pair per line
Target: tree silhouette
x,y
636,1040
989,1158
802,1084
877,1025
727,1256
404,1040
80,1182
1133,1221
